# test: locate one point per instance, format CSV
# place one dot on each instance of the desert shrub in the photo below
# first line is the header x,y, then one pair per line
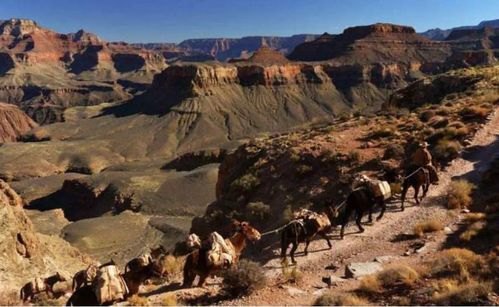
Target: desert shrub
x,y
429,226
354,156
394,151
171,265
438,122
246,182
456,124
291,274
303,169
343,299
474,112
459,194
446,150
456,262
462,294
425,116
169,299
257,211
244,278
381,133
136,300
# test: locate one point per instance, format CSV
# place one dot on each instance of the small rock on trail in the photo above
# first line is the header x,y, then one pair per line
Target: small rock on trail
x,y
358,269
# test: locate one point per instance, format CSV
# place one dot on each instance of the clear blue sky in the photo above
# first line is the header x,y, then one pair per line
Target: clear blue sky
x,y
175,20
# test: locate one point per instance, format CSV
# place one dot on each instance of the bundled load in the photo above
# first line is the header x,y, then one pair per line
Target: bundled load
x,y
221,253
379,188
321,220
109,286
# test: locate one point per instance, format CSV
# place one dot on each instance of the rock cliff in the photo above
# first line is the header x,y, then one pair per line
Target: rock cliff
x,y
13,123
45,72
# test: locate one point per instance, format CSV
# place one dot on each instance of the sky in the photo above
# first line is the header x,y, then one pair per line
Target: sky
x,y
176,20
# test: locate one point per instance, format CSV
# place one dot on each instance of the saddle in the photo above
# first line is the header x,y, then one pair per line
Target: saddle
x,y
109,286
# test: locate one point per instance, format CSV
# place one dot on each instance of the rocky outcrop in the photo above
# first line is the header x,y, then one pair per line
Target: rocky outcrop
x,y
24,254
45,72
378,43
440,34
13,123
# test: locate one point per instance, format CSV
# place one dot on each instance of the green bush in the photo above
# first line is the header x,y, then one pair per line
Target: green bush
x,y
257,211
246,183
244,279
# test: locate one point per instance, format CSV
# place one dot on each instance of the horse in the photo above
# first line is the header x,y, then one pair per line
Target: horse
x,y
39,285
197,263
359,201
303,230
417,178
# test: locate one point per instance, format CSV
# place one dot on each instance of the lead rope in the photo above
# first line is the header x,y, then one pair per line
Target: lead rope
x,y
413,173
279,229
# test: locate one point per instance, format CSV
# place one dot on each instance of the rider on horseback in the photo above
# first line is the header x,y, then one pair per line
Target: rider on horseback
x,y
422,158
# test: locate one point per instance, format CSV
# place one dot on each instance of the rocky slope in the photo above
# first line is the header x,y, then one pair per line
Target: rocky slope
x,y
26,254
13,123
45,72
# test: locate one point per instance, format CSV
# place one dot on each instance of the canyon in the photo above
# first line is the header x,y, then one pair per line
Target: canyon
x,y
147,140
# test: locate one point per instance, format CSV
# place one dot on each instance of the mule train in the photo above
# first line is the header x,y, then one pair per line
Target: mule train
x,y
100,284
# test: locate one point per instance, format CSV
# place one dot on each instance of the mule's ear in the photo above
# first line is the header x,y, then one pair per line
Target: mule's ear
x,y
235,223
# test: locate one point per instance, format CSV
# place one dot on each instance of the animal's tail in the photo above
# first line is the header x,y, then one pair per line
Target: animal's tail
x,y
22,295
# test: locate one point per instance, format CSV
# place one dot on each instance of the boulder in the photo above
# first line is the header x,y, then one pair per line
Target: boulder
x,y
358,269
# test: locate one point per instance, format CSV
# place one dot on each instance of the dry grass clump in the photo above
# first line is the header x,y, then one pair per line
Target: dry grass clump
x,y
393,276
169,299
438,122
428,226
136,300
474,217
291,274
446,150
342,299
456,262
469,293
459,194
471,231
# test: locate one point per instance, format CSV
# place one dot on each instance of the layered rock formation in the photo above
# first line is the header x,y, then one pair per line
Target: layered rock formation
x,y
378,43
225,48
44,72
13,123
441,34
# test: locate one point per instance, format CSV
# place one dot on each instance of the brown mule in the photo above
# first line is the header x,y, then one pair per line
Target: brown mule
x,y
32,288
416,179
196,262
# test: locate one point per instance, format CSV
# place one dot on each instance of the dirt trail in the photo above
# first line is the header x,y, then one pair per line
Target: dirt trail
x,y
379,239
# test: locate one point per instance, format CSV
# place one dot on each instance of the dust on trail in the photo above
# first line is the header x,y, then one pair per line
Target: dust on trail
x,y
377,240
